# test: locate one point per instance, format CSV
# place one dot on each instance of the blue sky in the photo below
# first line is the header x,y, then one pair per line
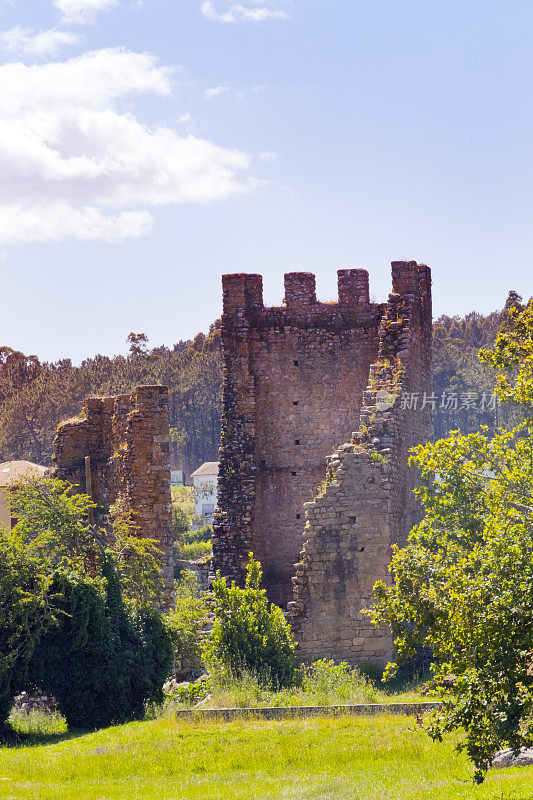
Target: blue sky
x,y
148,147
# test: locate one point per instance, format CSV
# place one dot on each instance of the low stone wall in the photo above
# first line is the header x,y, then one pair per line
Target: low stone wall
x,y
297,712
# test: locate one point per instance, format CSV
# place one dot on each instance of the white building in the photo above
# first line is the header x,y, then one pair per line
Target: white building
x,y
205,491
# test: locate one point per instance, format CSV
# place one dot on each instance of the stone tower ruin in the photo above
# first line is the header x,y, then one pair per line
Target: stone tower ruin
x,y
301,382
119,449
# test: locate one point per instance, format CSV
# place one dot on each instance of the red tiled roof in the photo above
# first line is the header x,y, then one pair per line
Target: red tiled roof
x,y
13,471
209,469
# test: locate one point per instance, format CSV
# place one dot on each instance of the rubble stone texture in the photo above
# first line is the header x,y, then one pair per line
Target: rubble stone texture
x,y
127,440
298,381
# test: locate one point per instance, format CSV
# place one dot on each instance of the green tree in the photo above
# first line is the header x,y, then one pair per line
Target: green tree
x,y
186,622
138,344
54,522
26,597
137,558
463,585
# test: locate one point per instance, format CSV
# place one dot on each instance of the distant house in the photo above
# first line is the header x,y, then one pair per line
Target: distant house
x,y
205,490
11,472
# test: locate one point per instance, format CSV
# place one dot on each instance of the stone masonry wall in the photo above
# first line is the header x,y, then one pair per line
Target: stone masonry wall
x,y
293,385
367,503
294,381
127,440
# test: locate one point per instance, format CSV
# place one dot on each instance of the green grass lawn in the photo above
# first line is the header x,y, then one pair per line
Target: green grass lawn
x,y
344,758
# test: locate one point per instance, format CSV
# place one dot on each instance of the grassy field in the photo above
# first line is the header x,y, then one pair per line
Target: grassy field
x,y
338,759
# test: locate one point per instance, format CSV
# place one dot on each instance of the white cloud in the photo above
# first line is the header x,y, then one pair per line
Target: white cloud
x,y
25,42
82,12
268,155
216,92
255,11
54,222
74,165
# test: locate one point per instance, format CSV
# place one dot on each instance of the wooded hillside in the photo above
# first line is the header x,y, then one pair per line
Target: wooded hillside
x,y
35,397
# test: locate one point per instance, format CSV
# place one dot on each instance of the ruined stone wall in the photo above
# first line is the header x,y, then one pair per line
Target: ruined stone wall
x,y
127,441
367,503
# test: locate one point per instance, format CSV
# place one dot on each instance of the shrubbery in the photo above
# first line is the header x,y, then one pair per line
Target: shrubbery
x,y
189,542
24,612
330,683
100,660
65,627
195,543
248,635
185,623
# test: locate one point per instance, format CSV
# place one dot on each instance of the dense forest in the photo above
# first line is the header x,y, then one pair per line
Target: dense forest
x,y
35,397
463,386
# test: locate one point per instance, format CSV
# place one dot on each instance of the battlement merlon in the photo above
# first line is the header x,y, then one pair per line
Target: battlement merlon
x,y
408,277
406,327
150,397
242,293
300,290
92,407
353,287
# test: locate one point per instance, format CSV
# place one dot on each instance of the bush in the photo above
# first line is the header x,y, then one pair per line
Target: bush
x,y
185,623
64,626
203,534
193,544
248,635
330,683
180,523
101,661
189,694
25,612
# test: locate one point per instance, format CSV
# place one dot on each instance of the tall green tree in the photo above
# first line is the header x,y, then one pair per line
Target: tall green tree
x,y
463,585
